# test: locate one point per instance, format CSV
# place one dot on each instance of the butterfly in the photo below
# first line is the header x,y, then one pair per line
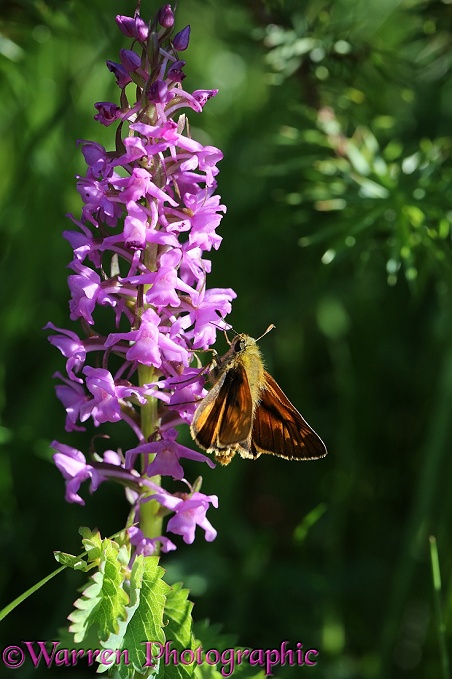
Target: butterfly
x,y
246,412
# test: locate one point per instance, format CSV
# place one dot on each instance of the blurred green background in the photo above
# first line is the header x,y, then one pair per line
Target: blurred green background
x,y
334,119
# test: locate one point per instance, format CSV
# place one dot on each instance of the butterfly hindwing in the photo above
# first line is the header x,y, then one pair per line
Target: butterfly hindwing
x,y
279,429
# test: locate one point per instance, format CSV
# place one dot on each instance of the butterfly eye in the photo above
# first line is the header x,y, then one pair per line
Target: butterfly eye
x,y
238,345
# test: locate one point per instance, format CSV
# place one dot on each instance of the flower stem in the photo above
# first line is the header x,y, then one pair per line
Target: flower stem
x,y
440,623
150,520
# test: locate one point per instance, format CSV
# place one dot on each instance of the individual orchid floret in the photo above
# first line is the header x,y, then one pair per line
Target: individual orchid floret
x,y
181,39
72,464
158,92
73,396
120,72
149,546
75,469
130,60
189,511
203,96
175,72
166,16
105,404
72,348
108,113
133,27
165,455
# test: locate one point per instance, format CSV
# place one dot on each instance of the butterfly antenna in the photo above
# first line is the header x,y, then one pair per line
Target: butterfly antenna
x,y
270,327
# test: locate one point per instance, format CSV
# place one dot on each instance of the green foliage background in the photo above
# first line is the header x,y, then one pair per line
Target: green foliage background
x,y
334,119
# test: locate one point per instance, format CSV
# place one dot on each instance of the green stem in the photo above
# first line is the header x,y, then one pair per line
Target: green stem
x,y
10,607
150,520
440,624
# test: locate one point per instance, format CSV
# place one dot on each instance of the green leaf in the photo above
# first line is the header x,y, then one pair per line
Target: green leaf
x,y
179,629
148,594
71,561
116,640
92,543
103,601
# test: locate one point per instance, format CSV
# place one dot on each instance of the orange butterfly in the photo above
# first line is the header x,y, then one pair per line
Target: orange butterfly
x,y
246,412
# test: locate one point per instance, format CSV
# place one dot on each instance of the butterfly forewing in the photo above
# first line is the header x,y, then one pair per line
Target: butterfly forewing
x,y
238,411
226,414
206,420
279,429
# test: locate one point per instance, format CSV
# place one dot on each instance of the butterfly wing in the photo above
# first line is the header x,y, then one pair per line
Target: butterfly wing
x,y
238,410
224,418
279,429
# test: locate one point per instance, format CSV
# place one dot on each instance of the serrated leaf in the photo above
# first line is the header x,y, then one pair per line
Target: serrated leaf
x,y
145,629
175,626
71,561
92,543
116,641
124,554
178,610
67,641
178,630
103,601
